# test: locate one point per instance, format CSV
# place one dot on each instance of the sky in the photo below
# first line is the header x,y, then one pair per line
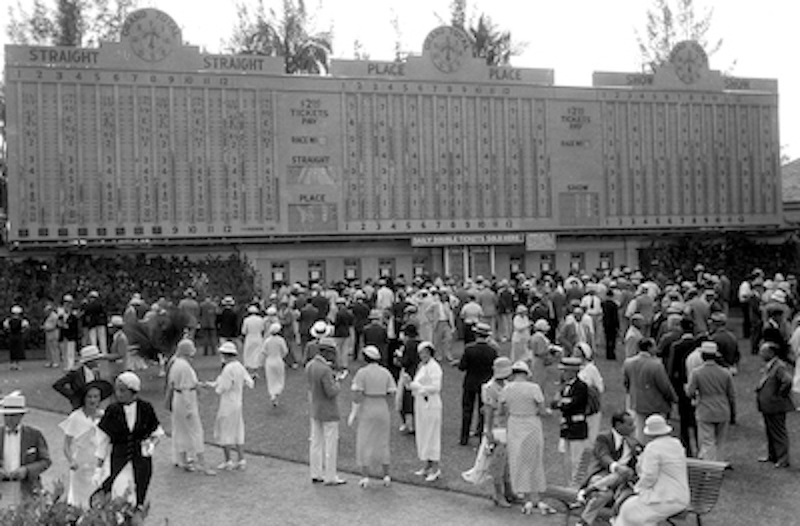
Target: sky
x,y
573,37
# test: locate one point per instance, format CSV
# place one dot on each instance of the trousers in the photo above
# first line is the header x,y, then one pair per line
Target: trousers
x,y
468,407
323,449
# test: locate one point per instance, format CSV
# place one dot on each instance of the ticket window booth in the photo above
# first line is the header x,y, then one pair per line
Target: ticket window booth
x,y
547,262
280,273
606,260
316,271
576,262
470,261
352,270
386,268
516,264
420,266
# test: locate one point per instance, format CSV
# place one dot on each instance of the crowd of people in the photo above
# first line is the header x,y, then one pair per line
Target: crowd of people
x,y
679,359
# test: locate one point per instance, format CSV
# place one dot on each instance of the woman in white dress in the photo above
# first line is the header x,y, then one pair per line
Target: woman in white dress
x,y
80,443
590,375
274,351
426,388
253,332
229,426
521,324
187,428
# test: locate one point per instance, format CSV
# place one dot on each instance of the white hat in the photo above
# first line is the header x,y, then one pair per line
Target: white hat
x,y
372,352
275,328
252,309
709,348
68,298
271,310
228,301
116,321
16,309
521,367
91,353
13,404
541,325
320,329
779,296
656,425
130,380
228,348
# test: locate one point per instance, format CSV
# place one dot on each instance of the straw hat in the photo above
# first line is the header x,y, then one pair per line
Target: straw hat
x,y
522,309
541,325
13,404
501,368
116,321
656,425
521,367
91,353
130,380
709,349
16,309
228,301
482,329
275,328
372,352
570,363
252,309
320,329
228,348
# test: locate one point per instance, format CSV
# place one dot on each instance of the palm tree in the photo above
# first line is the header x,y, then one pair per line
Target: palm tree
x,y
289,36
488,42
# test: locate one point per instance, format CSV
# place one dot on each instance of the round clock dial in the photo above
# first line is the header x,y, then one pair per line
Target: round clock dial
x,y
449,48
152,34
689,60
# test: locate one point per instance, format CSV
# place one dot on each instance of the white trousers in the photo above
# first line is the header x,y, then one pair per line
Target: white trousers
x,y
323,450
98,336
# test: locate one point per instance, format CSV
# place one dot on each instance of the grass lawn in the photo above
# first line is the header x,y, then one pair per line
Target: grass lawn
x,y
752,493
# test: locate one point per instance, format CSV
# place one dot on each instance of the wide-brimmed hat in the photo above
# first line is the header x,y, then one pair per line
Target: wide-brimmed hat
x,y
541,325
375,314
372,352
104,386
228,301
68,298
16,309
656,425
91,353
709,349
521,367
501,368
228,348
252,309
585,349
130,380
779,296
522,309
275,328
570,363
116,321
13,404
320,329
482,329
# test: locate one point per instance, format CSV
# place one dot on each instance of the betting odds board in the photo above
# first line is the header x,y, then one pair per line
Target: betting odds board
x,y
150,139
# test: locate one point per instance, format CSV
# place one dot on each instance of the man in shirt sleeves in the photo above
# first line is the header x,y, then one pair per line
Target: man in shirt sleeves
x,y
131,429
24,451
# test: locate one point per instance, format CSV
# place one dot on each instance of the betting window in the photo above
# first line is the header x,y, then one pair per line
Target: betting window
x,y
420,265
280,272
606,260
515,265
316,271
576,261
352,269
547,262
386,267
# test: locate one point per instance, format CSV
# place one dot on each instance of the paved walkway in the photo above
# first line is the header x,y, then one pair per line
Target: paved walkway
x,y
274,491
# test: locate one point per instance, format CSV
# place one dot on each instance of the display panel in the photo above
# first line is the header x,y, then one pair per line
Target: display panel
x,y
118,144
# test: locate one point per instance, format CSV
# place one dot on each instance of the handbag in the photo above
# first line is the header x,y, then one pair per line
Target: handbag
x,y
500,434
593,403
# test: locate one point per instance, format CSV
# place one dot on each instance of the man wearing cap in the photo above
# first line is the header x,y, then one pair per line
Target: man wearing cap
x,y
95,321
24,450
72,384
711,389
663,486
572,400
679,377
726,341
476,362
319,330
375,334
131,431
773,394
648,386
324,388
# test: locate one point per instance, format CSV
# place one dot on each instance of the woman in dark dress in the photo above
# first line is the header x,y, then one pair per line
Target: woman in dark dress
x,y
16,326
408,361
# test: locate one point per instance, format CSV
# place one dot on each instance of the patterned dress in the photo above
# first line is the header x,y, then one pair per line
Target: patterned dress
x,y
525,439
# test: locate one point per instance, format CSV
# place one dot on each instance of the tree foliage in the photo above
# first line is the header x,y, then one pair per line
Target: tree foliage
x,y
290,35
76,23
490,43
670,22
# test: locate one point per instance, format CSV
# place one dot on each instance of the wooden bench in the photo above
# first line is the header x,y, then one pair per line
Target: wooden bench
x,y
705,482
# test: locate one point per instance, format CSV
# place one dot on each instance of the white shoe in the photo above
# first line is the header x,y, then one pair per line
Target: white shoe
x,y
241,465
433,476
363,483
387,481
226,466
421,472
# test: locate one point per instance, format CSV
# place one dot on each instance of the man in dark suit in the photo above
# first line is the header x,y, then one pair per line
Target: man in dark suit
x,y
132,431
678,375
375,334
24,450
613,464
476,362
610,324
774,401
572,401
72,384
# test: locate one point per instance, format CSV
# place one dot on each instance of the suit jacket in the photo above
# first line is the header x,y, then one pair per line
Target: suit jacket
x,y
72,384
712,386
775,387
606,453
477,362
324,390
647,383
126,445
35,457
572,404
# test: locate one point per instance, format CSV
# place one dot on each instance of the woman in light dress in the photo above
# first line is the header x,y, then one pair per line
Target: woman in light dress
x,y
426,387
521,324
229,425
590,375
80,443
373,388
187,428
274,350
253,326
523,402
541,354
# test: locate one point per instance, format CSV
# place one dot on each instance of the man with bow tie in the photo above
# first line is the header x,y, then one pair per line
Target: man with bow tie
x,y
774,397
613,465
24,449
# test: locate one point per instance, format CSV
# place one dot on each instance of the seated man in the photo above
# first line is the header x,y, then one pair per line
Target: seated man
x,y
612,467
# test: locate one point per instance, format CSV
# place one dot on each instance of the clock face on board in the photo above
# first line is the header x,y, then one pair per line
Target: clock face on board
x,y
689,60
152,34
449,48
